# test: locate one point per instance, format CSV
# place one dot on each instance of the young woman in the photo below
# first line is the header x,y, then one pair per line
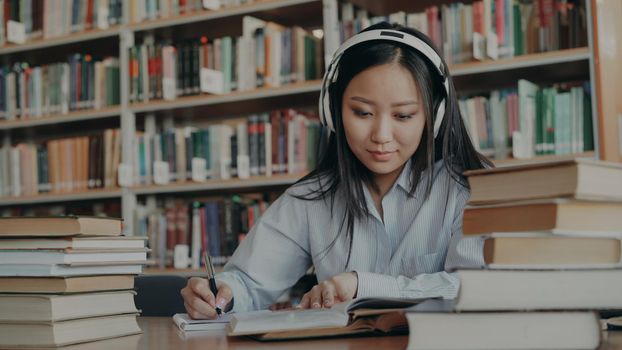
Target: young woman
x,y
378,215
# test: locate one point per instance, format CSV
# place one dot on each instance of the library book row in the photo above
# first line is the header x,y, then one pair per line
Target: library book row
x,y
281,141
82,82
531,120
266,55
25,21
484,29
150,10
179,231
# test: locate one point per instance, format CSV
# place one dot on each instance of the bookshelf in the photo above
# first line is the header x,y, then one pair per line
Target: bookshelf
x,y
59,41
585,63
254,183
253,96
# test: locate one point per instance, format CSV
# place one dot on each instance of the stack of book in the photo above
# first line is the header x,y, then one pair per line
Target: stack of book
x,y
551,237
66,280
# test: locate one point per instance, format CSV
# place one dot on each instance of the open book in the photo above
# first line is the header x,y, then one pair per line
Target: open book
x,y
362,315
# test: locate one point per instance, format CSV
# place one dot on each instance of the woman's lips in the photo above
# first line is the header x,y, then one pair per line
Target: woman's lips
x,y
382,156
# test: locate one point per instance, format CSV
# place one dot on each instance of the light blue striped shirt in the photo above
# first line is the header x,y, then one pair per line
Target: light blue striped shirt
x,y
404,256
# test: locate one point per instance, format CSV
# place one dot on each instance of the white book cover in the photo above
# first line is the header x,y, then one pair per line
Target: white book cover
x,y
67,270
38,257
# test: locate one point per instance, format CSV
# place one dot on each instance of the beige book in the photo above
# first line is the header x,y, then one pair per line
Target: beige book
x,y
60,226
65,284
51,334
32,308
533,250
580,178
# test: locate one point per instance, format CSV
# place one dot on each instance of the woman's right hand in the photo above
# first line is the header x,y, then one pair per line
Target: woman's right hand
x,y
200,302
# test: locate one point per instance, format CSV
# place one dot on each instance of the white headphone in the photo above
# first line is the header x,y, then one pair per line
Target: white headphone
x,y
330,76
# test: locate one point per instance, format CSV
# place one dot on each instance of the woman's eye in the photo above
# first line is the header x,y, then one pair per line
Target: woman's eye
x,y
404,116
361,113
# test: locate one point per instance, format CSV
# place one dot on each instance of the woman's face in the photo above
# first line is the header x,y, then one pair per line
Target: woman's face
x,y
383,118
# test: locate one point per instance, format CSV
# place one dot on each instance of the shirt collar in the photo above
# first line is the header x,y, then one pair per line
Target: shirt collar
x,y
405,178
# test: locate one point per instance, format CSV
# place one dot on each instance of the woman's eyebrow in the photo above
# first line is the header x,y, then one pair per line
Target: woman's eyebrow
x,y
396,104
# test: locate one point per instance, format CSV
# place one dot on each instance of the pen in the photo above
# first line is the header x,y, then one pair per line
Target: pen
x,y
210,278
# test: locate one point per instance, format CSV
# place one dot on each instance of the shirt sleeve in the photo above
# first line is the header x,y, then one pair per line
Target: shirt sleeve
x,y
273,256
440,284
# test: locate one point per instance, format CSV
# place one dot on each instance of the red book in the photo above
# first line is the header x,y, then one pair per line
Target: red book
x,y
89,15
182,223
171,236
275,120
478,17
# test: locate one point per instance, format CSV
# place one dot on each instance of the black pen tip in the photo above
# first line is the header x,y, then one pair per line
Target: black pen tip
x,y
218,311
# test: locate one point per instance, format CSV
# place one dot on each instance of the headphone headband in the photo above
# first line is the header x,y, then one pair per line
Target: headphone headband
x,y
332,71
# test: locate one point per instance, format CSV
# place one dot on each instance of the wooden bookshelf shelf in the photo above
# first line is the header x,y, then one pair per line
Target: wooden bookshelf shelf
x,y
524,61
542,159
74,116
201,16
63,40
256,182
236,96
62,197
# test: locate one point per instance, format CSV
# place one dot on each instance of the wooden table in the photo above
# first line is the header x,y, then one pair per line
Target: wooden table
x,y
161,333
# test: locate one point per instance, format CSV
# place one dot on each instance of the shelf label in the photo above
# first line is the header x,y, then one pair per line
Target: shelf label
x,y
169,89
225,168
102,17
199,173
16,32
181,258
211,4
492,46
161,174
124,175
244,166
212,81
479,46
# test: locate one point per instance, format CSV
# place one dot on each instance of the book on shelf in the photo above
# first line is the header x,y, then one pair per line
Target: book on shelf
x,y
479,30
61,285
551,215
60,226
53,334
149,10
117,256
83,82
536,250
33,308
270,55
530,120
278,142
436,324
51,19
75,243
580,178
187,324
215,225
527,289
358,316
61,165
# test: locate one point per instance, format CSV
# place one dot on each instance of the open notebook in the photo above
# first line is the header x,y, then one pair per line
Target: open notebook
x,y
362,315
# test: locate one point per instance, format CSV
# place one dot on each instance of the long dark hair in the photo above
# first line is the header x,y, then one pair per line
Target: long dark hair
x,y
338,168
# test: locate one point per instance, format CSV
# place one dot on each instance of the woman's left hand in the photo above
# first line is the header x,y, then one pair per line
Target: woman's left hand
x,y
341,287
